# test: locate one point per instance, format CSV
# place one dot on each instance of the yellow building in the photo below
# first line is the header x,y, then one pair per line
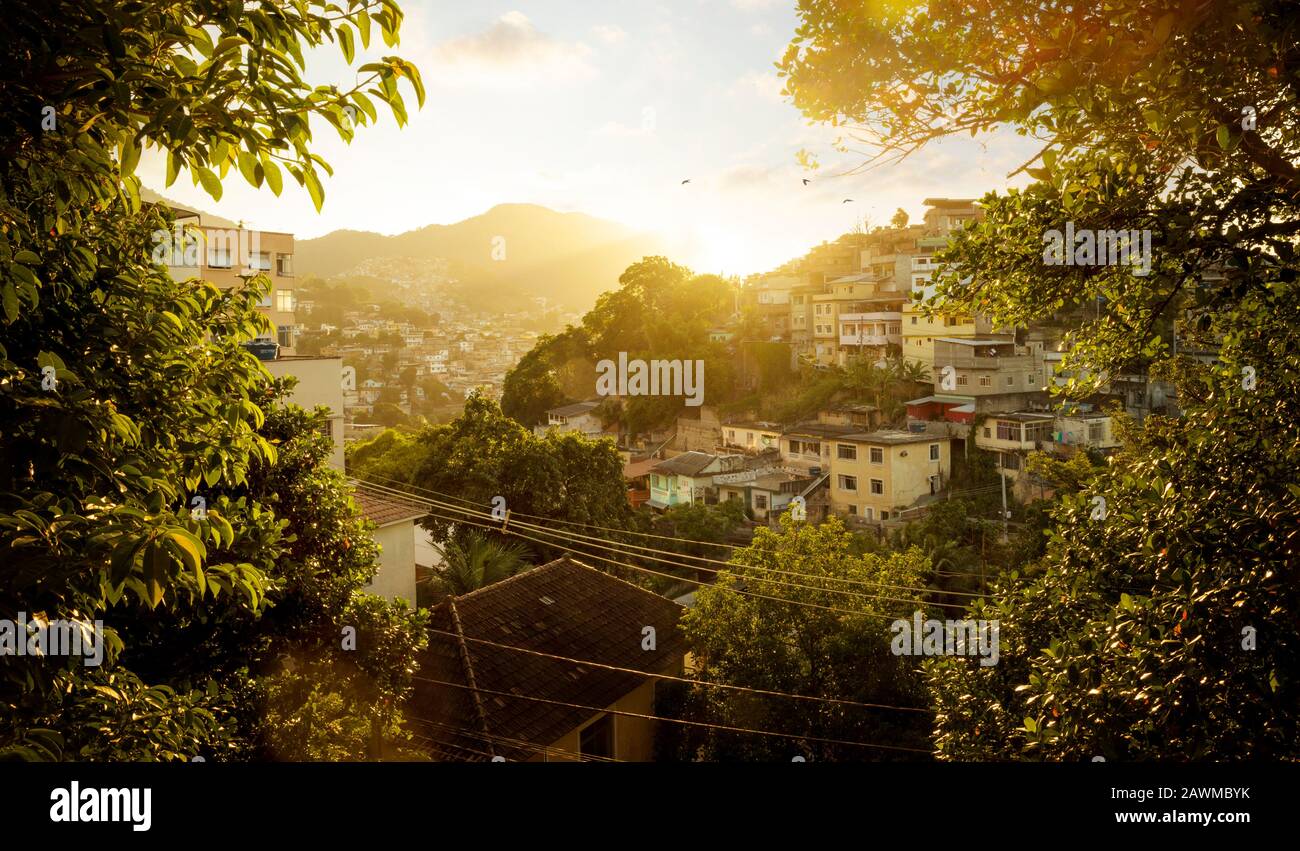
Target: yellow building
x,y
866,305
878,474
226,256
919,331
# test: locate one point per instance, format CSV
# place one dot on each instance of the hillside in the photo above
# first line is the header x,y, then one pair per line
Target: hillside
x,y
568,257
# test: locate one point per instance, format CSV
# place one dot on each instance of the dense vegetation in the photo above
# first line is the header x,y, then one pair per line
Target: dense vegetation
x,y
125,395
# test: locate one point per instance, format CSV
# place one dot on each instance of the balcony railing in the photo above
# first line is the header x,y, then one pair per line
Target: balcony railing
x,y
871,339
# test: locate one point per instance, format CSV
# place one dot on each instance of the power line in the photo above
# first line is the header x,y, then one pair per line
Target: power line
x,y
496,738
723,727
676,578
687,680
620,548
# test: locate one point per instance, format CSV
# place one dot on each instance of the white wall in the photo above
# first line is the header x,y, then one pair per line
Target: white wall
x,y
396,576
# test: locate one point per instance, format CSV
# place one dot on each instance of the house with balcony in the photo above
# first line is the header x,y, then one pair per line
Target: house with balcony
x,y
202,246
995,371
807,446
1013,436
751,437
1084,430
578,417
687,478
858,294
764,491
872,334
876,475
920,328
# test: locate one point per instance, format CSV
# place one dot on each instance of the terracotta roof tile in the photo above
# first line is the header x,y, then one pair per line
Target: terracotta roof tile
x,y
384,508
590,615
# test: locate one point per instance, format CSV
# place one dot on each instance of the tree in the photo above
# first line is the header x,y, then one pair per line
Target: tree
x,y
477,561
900,219
123,392
1154,627
484,454
772,637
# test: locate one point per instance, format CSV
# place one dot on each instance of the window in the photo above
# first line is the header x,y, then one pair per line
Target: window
x,y
877,455
934,452
284,265
848,483
988,432
284,301
597,738
846,451
1038,432
853,509
877,486
986,381
219,254
760,501
913,320
749,438
655,481
1031,379
1097,431
868,512
285,337
327,429
884,515
1008,431
731,434
1010,380
260,261
1010,461
961,381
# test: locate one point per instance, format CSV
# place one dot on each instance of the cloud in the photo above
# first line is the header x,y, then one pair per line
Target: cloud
x,y
617,129
609,33
511,53
765,84
753,5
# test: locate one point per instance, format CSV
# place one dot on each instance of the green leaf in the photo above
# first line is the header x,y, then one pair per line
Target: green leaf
x,y
274,179
129,156
211,183
1224,136
314,188
173,167
9,302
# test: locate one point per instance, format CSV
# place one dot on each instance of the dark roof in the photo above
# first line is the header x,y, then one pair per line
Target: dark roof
x,y
686,464
895,437
563,608
384,508
815,429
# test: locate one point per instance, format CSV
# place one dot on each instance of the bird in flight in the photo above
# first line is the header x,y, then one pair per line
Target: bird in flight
x,y
686,181
847,201
806,181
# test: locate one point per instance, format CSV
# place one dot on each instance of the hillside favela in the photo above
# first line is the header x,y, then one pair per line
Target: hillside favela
x,y
882,382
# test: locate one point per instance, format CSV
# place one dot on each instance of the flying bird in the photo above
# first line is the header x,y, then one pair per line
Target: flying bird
x,y
806,181
686,181
847,201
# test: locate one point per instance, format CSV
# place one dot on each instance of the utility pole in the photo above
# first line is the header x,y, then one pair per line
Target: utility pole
x,y
1003,478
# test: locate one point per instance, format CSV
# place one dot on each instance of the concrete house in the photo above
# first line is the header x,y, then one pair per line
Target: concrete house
x,y
483,695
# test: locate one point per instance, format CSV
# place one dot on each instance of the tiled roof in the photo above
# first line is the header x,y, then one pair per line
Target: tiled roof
x,y
563,608
686,464
384,508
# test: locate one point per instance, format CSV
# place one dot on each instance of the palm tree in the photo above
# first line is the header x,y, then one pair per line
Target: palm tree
x,y
475,562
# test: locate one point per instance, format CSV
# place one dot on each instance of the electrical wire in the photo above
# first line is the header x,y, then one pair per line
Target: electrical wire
x,y
687,680
723,727
621,549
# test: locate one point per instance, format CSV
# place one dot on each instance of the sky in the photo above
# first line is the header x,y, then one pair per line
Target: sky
x,y
605,108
